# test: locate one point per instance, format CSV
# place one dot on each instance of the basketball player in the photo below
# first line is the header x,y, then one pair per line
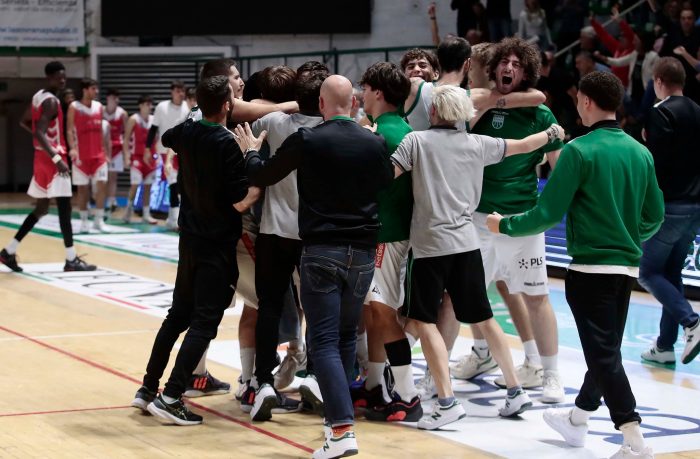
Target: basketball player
x,y
117,118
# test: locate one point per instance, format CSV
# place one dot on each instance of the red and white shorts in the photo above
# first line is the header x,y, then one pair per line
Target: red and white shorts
x,y
116,164
141,173
46,182
85,170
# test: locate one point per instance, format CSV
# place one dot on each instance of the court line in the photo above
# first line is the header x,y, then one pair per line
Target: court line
x,y
76,410
119,374
82,335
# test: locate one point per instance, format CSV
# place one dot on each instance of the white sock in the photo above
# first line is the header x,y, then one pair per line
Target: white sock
x,y
169,400
99,215
12,246
247,363
403,382
549,363
109,202
632,436
146,212
579,417
481,347
375,374
362,352
70,253
202,365
84,215
531,352
412,340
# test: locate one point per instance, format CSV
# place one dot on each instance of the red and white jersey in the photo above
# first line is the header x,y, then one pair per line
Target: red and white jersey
x,y
88,128
116,128
54,132
137,142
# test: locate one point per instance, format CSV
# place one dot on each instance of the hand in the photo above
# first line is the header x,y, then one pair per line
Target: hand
x,y
168,167
73,153
679,50
431,10
62,168
493,222
615,13
245,138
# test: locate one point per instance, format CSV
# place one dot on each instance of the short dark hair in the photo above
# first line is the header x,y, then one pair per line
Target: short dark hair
x,y
307,90
452,53
113,92
526,52
177,84
603,88
277,83
212,93
143,99
670,71
417,53
87,83
53,68
313,67
390,80
216,67
191,93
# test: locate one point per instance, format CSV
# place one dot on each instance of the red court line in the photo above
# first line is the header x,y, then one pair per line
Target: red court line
x,y
99,366
32,413
111,298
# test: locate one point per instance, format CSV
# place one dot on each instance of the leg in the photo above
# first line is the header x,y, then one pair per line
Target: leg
x,y
448,324
518,312
436,356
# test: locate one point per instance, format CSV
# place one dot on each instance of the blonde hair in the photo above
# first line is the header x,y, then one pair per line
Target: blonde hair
x,y
452,103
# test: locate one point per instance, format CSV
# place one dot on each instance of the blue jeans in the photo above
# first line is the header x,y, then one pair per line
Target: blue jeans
x,y
663,258
334,283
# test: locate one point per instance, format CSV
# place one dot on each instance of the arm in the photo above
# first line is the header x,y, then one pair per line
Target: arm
x,y
416,84
251,198
681,51
26,121
628,33
486,99
106,141
553,157
263,173
169,155
402,158
127,141
652,209
534,141
617,61
48,113
152,132
71,136
248,111
433,24
608,40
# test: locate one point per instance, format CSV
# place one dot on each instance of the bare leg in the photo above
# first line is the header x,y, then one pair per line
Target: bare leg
x,y
499,350
544,323
447,323
436,356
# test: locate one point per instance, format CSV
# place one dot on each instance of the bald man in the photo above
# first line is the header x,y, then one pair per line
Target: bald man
x,y
341,168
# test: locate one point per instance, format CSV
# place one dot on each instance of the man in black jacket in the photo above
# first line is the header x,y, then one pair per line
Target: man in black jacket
x,y
671,133
340,169
212,180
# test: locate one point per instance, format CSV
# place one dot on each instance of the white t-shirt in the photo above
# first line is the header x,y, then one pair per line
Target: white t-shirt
x,y
166,116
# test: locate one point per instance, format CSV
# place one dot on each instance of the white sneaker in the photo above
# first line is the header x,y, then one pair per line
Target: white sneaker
x,y
626,453
84,226
471,365
171,224
442,415
560,420
265,400
515,404
311,393
692,343
343,446
552,389
99,225
293,362
426,387
529,376
149,220
654,354
242,387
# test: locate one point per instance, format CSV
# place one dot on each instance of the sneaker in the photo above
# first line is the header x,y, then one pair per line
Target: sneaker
x,y
552,389
367,398
126,218
692,343
311,394
84,226
560,420
396,410
265,400
656,355
143,397
286,405
426,387
78,264
175,412
293,361
515,404
99,225
171,224
206,384
10,261
248,398
626,453
242,388
442,415
343,446
529,376
471,365
149,220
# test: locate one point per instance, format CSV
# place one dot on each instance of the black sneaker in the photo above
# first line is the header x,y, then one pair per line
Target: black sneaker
x,y
363,398
175,412
143,397
286,405
397,410
78,265
206,384
10,261
248,399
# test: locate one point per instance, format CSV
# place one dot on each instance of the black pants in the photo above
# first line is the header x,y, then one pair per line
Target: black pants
x,y
206,279
599,303
275,260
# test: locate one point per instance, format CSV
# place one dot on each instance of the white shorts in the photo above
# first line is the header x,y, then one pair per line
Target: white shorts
x,y
58,187
82,179
137,177
116,164
518,261
245,256
389,274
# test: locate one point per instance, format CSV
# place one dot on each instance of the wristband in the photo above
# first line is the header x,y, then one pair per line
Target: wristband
x,y
552,134
248,150
56,158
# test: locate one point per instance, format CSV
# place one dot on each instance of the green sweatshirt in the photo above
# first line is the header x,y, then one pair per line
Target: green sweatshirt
x,y
606,184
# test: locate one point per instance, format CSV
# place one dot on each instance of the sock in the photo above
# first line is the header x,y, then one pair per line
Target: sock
x,y
375,374
169,399
202,365
531,352
84,215
579,417
514,390
146,212
338,431
403,382
632,436
247,363
447,401
99,215
481,348
70,253
412,340
12,246
549,363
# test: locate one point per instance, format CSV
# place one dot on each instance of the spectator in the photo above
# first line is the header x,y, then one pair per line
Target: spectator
x,y
617,47
688,36
532,24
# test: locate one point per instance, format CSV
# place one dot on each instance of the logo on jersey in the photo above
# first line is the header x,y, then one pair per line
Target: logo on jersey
x,y
497,121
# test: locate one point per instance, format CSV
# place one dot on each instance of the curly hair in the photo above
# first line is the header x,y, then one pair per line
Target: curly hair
x,y
527,54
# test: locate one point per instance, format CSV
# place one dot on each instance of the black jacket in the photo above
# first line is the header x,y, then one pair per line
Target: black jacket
x,y
341,167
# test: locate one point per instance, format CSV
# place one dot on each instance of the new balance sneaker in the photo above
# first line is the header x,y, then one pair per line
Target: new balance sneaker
x,y
692,343
143,397
442,415
471,365
552,388
175,412
78,264
560,420
656,355
529,376
367,398
10,261
426,387
265,400
311,394
396,410
206,384
515,404
342,446
294,361
626,452
248,398
242,387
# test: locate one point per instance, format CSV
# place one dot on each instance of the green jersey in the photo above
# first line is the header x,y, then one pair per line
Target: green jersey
x,y
396,202
510,187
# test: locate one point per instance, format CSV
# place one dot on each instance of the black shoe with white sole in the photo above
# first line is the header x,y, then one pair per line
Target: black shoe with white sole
x,y
143,397
175,412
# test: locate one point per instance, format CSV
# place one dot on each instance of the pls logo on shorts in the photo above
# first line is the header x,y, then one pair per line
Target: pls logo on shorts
x,y
531,263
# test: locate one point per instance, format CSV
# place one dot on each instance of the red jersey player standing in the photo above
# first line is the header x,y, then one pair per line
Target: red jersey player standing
x,y
117,118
